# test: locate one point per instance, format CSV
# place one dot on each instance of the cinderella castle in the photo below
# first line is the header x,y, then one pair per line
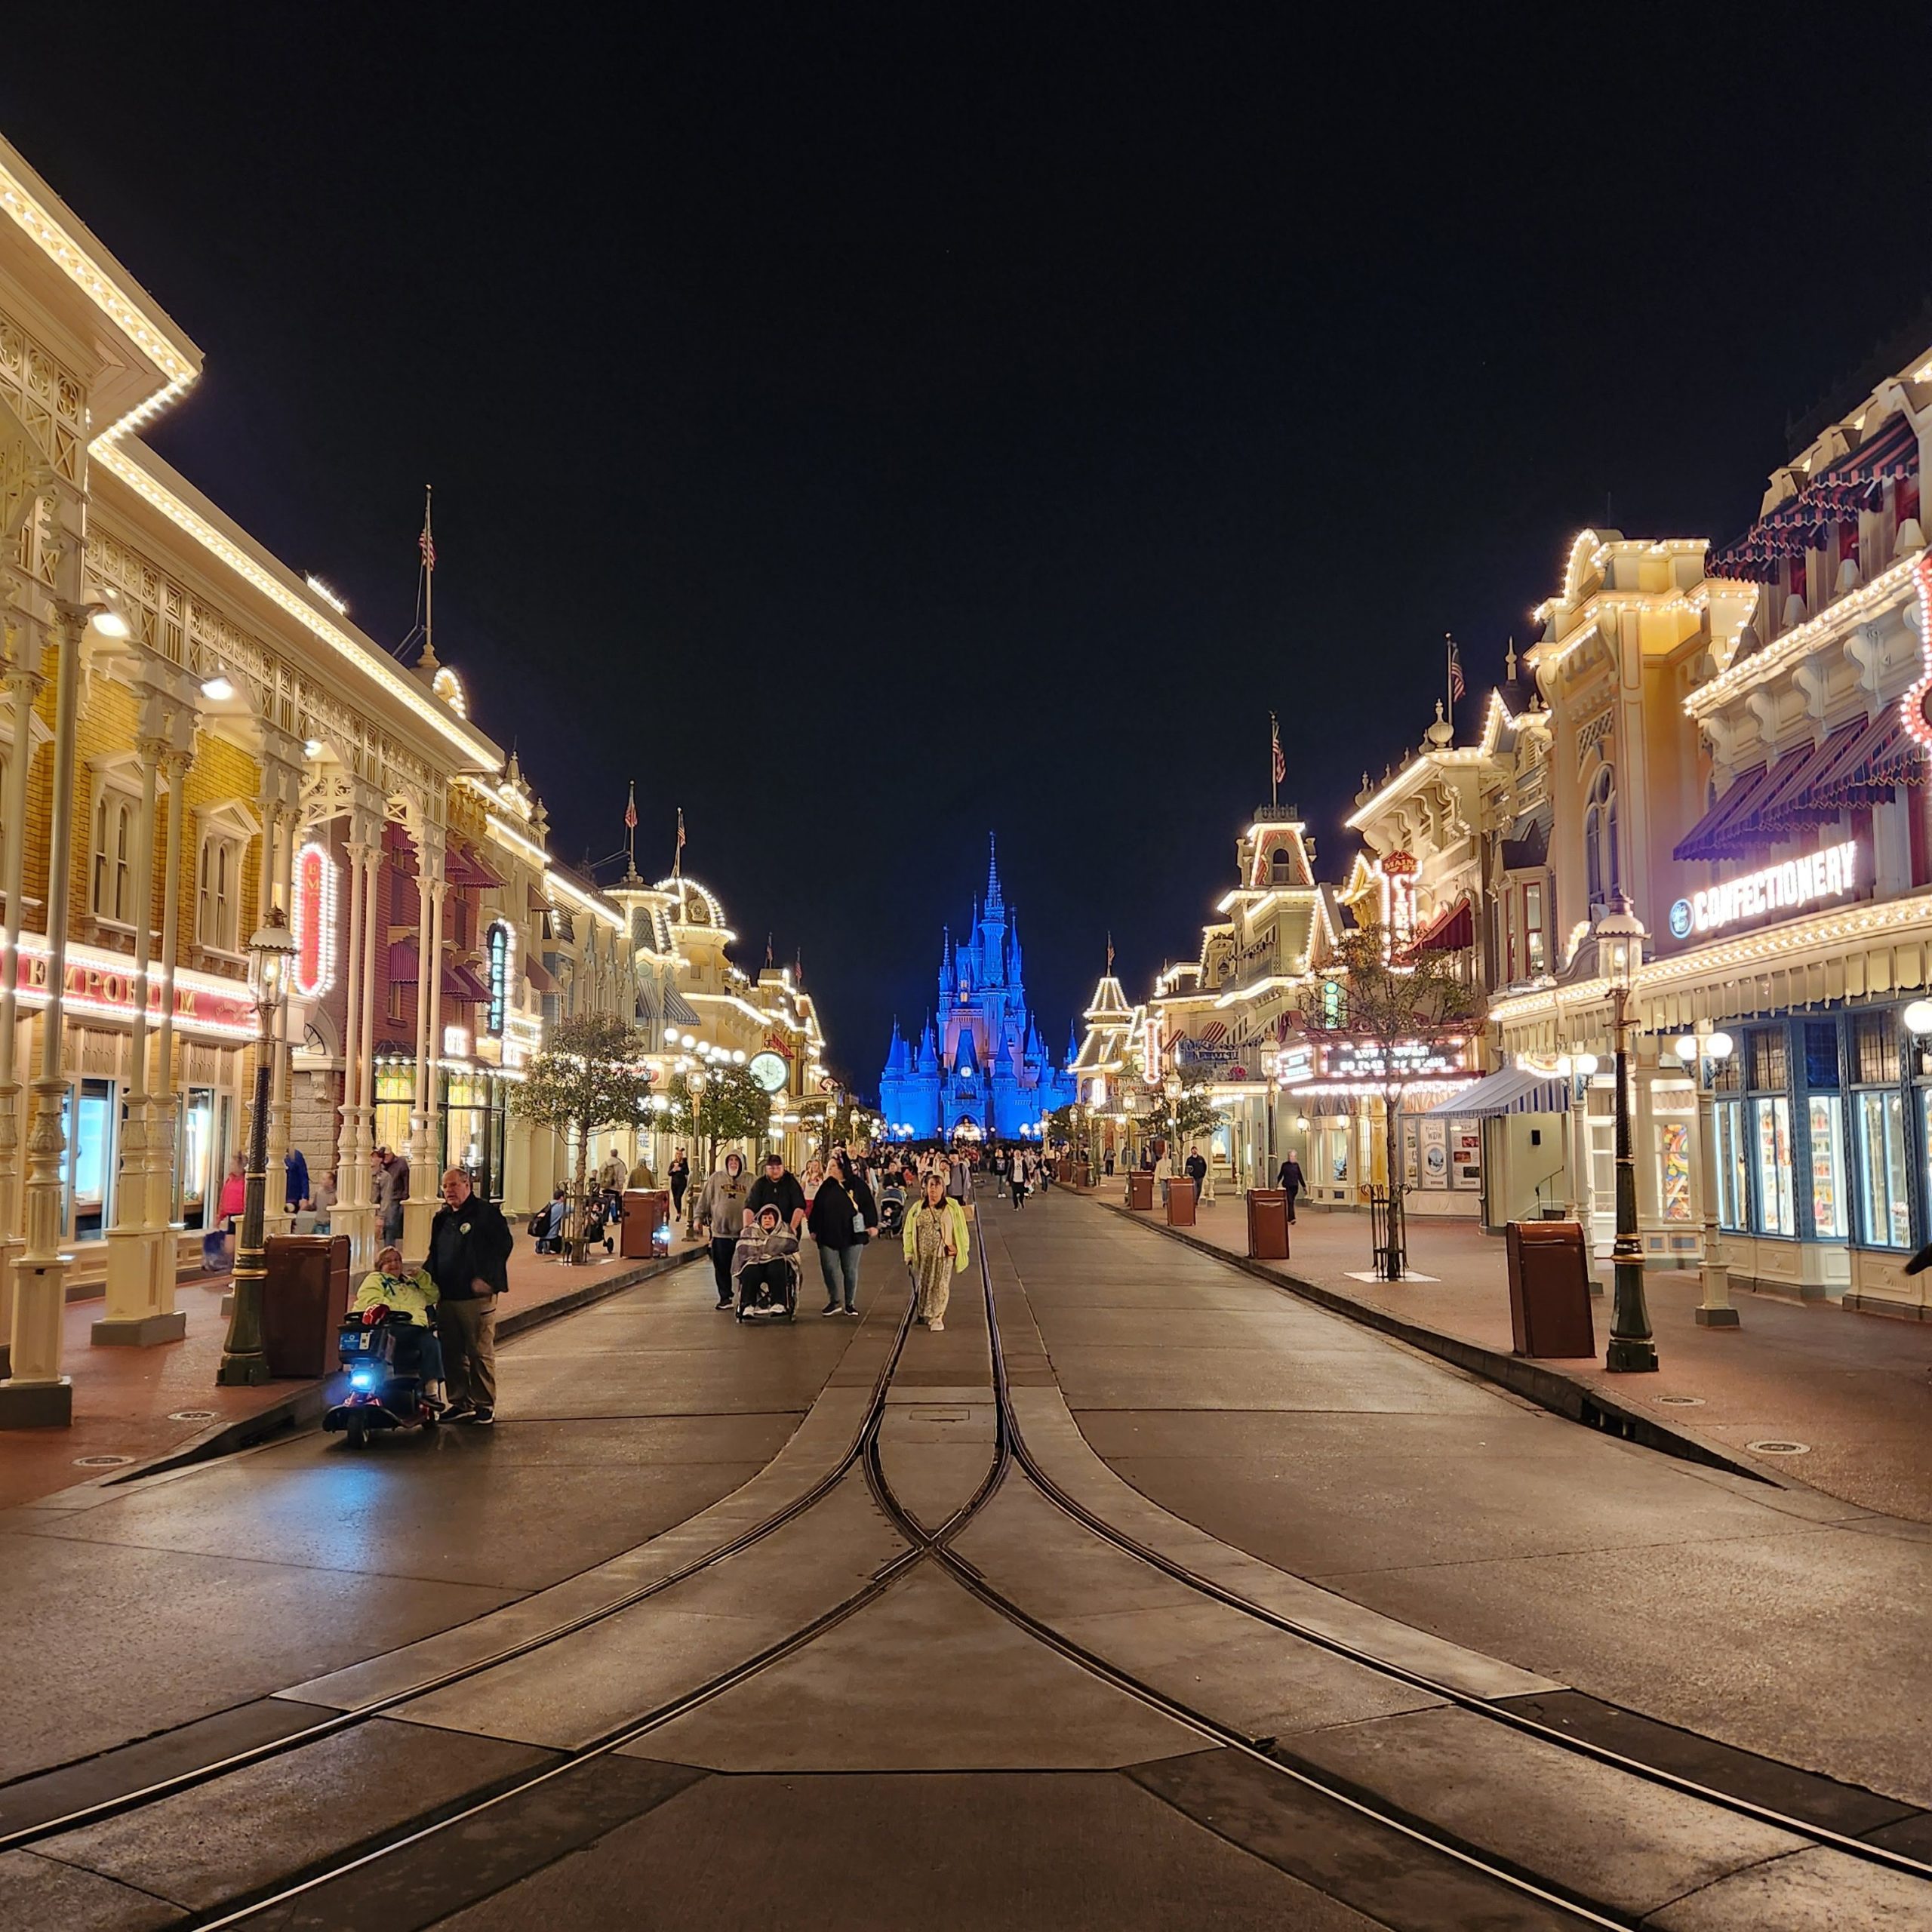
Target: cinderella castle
x,y
982,1069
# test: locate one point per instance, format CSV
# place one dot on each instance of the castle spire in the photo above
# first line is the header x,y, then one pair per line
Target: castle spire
x,y
995,899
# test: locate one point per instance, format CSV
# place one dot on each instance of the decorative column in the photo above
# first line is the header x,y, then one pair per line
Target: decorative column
x,y
35,1394
23,682
424,1189
164,1105
351,1216
131,1320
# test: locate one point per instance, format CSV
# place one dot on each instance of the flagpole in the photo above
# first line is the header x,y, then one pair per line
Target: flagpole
x,y
630,833
428,579
1274,743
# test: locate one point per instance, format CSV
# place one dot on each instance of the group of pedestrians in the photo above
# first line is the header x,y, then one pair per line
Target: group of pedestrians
x,y
1021,1170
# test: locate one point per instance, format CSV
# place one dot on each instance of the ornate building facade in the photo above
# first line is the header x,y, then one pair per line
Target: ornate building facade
x,y
981,1068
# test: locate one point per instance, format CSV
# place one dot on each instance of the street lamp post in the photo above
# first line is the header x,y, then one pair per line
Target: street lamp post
x,y
1273,1091
243,1362
695,1082
1703,1051
1631,1350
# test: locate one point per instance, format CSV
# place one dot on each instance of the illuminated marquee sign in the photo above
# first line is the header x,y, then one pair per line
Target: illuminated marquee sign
x,y
313,915
1831,873
103,983
1406,1060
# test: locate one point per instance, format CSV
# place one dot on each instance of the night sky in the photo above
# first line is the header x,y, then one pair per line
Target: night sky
x,y
871,428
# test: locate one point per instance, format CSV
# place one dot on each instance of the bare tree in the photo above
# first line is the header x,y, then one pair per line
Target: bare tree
x,y
1402,1013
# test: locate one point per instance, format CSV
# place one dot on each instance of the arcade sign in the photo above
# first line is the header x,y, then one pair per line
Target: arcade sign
x,y
1402,1059
1830,873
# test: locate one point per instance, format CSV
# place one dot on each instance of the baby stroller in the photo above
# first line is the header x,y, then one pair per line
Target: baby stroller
x,y
891,1208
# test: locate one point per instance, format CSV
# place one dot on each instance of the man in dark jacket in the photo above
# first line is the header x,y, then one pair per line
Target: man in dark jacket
x,y
1290,1181
778,1188
469,1251
1195,1168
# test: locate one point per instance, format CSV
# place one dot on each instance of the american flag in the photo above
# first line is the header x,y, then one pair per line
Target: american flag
x,y
1456,686
1280,765
680,828
630,809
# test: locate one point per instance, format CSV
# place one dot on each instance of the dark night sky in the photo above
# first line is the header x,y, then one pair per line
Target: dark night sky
x,y
867,428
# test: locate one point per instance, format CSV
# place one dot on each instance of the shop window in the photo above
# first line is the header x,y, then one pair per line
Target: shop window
x,y
1770,1059
1770,1132
1875,1049
1733,1167
1821,1054
1727,1076
1825,1117
111,895
1674,1169
199,1164
1884,1203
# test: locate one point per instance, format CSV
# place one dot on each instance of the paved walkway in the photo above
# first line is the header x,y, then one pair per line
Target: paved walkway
x,y
1856,1389
135,1405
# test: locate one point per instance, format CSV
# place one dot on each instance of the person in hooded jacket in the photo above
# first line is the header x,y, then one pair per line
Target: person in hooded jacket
x,y
843,1213
720,1212
936,1244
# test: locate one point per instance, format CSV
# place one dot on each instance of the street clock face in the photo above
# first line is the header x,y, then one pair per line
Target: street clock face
x,y
768,1070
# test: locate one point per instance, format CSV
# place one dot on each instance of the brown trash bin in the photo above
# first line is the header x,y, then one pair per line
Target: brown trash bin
x,y
1549,1289
1267,1224
647,1211
304,1299
1180,1202
1140,1189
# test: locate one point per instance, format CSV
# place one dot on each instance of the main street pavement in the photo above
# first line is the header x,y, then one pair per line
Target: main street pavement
x,y
1192,1604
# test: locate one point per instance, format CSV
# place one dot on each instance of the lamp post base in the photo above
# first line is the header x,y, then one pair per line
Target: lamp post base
x,y
251,1371
1630,1358
37,1404
1718,1318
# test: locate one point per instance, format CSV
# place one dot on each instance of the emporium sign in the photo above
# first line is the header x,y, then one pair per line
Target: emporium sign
x,y
1831,873
103,983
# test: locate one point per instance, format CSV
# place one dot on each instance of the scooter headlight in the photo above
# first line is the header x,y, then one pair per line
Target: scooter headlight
x,y
364,1378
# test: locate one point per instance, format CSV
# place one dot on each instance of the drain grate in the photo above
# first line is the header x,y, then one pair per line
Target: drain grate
x,y
1680,1401
190,1415
1774,1446
101,1462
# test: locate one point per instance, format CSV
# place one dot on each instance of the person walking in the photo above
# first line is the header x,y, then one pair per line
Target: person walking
x,y
959,1178
469,1251
1197,1170
1016,1177
392,1191
721,1213
680,1174
936,1243
778,1185
1290,1180
295,1180
843,1213
230,1205
612,1175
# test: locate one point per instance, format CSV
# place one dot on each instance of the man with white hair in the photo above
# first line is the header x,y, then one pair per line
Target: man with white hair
x,y
469,1251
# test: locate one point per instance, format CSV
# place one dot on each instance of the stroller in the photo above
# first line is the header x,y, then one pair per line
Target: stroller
x,y
891,1208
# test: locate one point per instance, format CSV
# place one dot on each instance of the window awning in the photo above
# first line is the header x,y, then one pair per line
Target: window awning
x,y
1836,496
1510,1091
1796,779
678,1008
461,866
459,982
1717,834
1452,931
541,979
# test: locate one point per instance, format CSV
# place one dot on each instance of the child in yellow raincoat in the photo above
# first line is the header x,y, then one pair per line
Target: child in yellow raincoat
x,y
936,1244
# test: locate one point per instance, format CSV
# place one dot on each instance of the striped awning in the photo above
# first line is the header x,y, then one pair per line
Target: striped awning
x,y
1453,930
678,1009
1807,521
1719,833
1510,1091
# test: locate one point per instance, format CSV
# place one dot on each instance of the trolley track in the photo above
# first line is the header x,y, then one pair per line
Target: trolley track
x,y
102,1810
1515,1721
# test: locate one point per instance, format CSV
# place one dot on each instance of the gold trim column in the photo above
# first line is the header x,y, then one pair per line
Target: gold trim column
x,y
424,1191
164,1101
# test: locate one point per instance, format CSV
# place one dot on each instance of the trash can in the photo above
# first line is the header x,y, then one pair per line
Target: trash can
x,y
1140,1189
646,1228
304,1300
1549,1289
1180,1202
1267,1224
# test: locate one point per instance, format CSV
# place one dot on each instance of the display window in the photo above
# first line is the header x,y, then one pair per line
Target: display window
x,y
1884,1189
1825,1119
200,1157
1674,1170
395,1094
1770,1132
1733,1167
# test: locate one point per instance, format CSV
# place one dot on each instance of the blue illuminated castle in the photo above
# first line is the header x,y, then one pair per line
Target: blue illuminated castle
x,y
983,1068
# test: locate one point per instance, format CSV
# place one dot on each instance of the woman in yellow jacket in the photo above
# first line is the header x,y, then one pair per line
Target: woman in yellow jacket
x,y
936,1244
394,1285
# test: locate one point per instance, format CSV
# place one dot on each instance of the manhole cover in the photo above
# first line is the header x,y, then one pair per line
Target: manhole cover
x,y
1774,1447
101,1462
1680,1401
190,1415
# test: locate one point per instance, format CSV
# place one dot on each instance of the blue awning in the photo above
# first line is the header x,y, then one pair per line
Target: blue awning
x,y
678,1009
1511,1091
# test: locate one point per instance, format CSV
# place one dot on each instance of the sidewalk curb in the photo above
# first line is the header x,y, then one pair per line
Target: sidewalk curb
x,y
1547,1388
303,1407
